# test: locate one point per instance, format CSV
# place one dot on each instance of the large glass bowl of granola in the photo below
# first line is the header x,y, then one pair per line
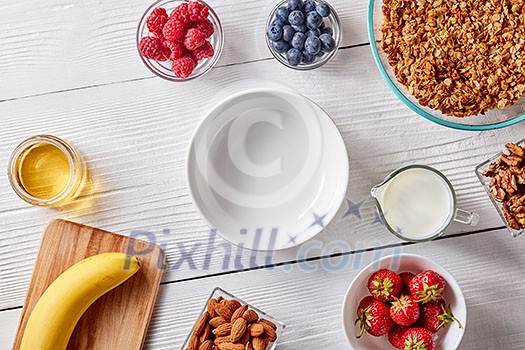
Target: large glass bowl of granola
x,y
455,64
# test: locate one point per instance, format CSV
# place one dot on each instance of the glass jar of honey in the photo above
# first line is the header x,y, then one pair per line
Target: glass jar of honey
x,y
47,171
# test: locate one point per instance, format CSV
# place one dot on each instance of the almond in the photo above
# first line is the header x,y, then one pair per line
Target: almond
x,y
211,307
217,321
220,340
245,338
269,332
233,304
269,323
248,346
206,333
223,330
224,311
201,323
207,345
239,312
256,330
230,346
238,329
259,343
250,316
194,342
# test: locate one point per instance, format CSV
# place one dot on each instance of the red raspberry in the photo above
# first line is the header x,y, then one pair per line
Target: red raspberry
x,y
181,13
198,11
183,67
151,48
176,50
174,30
194,39
205,51
156,20
204,26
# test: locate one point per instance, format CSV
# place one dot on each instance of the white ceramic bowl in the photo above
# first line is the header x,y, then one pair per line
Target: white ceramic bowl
x,y
446,339
267,168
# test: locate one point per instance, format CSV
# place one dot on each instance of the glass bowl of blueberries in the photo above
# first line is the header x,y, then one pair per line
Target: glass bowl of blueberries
x,y
303,34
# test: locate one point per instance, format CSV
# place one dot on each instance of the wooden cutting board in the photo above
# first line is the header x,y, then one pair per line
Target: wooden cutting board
x,y
120,318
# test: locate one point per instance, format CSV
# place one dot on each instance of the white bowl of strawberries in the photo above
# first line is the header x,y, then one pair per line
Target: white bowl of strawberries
x,y
180,40
407,302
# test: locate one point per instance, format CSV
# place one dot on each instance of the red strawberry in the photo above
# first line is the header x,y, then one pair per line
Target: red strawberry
x,y
194,39
198,11
435,315
373,316
418,339
405,310
406,277
183,67
385,285
427,286
204,26
205,51
174,30
395,336
156,20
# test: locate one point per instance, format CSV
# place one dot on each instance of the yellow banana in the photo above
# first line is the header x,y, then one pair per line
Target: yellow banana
x,y
63,303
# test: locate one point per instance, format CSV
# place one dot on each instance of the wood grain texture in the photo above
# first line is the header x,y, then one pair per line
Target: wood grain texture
x,y
487,266
63,44
120,318
134,137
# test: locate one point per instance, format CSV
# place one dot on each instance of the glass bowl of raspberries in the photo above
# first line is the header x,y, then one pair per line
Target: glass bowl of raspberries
x,y
403,301
303,34
180,40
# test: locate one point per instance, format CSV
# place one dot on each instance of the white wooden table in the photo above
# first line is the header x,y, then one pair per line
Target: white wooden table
x,y
70,68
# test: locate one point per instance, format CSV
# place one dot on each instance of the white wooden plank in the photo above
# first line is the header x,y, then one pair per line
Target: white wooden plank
x,y
63,44
309,303
134,137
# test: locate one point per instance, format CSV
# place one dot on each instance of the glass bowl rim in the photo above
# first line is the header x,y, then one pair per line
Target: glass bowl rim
x,y
316,64
218,49
410,104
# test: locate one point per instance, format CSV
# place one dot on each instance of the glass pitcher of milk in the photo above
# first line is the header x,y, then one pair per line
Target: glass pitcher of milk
x,y
417,203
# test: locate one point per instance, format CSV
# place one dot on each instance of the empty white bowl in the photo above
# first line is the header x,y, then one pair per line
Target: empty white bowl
x,y
448,338
267,168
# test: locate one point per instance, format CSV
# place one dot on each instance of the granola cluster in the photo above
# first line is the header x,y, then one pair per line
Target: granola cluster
x,y
508,184
462,57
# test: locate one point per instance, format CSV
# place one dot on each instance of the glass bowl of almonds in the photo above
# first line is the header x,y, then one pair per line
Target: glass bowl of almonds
x,y
503,178
228,323
458,65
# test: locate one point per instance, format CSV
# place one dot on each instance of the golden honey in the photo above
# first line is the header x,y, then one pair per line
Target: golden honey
x,y
46,170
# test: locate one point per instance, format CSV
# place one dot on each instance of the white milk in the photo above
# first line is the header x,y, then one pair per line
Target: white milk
x,y
417,203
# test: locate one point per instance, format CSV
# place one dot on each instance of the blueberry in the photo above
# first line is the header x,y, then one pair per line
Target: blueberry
x,y
298,40
279,22
296,18
327,42
313,32
307,58
320,53
274,32
282,13
294,56
323,9
295,4
313,20
288,33
327,30
309,6
312,45
281,46
302,28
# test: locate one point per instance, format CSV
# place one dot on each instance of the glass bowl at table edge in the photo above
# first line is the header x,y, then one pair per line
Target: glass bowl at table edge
x,y
472,123
485,181
163,69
